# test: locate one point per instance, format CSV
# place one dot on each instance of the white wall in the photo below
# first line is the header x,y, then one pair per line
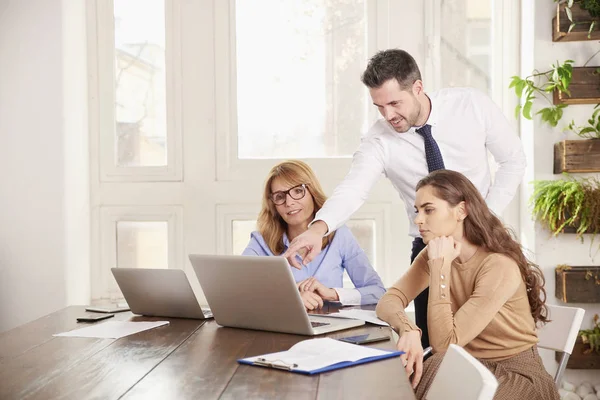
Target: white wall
x,y
43,171
539,52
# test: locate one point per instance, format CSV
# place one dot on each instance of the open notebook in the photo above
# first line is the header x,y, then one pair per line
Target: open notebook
x,y
314,356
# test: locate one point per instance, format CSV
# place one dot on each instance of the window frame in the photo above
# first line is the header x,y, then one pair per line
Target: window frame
x,y
101,59
229,166
505,47
109,216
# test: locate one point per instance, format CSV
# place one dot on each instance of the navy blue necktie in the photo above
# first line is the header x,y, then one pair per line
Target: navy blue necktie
x,y
432,151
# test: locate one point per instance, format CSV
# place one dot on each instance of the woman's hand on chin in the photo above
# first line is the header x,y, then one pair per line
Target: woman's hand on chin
x,y
443,247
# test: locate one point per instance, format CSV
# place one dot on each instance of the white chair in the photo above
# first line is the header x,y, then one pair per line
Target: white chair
x,y
560,334
462,377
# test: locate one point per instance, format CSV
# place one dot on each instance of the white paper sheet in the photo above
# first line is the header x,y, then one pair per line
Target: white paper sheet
x,y
315,354
113,329
363,315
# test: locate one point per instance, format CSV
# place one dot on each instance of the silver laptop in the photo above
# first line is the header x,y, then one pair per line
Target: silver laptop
x,y
159,293
259,293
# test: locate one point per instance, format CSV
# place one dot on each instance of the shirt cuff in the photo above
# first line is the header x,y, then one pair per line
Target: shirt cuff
x,y
401,323
326,223
348,297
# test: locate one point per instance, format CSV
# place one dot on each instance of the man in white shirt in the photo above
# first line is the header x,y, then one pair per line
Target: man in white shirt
x,y
452,128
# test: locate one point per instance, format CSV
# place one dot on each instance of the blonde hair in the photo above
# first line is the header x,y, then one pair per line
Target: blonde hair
x,y
270,224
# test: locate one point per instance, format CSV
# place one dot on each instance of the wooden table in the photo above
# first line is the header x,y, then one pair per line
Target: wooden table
x,y
188,359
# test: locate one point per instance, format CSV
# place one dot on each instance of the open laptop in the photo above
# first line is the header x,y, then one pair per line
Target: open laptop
x,y
259,293
159,293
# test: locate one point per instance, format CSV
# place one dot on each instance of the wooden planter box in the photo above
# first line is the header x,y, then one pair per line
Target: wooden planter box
x,y
561,23
578,360
584,87
573,287
573,229
577,156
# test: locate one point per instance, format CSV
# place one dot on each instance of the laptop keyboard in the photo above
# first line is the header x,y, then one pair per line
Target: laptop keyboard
x,y
317,324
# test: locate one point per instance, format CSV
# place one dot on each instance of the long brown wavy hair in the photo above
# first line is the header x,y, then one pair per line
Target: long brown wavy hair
x,y
270,224
484,229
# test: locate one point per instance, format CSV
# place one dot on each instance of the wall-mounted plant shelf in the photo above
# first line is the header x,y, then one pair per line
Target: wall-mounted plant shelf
x,y
561,23
584,87
578,360
571,229
577,156
578,284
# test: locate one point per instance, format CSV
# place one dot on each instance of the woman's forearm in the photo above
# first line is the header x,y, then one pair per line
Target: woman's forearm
x,y
391,310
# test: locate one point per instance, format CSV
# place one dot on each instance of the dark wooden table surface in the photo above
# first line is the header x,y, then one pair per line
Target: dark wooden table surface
x,y
188,359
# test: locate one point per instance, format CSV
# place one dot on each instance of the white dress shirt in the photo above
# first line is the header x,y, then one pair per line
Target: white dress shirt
x,y
465,123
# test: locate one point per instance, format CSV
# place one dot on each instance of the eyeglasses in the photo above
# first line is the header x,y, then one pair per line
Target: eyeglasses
x,y
296,193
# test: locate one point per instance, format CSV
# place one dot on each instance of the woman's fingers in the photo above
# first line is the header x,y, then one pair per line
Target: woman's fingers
x,y
404,360
410,365
307,284
309,303
418,372
319,300
312,300
300,284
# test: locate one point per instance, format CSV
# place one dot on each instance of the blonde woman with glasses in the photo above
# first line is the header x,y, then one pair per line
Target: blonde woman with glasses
x,y
291,197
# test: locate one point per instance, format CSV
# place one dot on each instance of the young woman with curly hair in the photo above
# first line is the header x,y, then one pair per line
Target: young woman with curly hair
x,y
484,294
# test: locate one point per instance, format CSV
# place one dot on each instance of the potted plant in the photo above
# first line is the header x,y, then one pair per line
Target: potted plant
x,y
568,85
586,352
541,84
576,20
591,337
567,205
580,155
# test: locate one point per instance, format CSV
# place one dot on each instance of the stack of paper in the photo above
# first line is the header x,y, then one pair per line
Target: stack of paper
x,y
113,329
319,355
363,315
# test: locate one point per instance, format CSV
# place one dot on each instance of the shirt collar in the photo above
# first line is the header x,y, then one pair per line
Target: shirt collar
x,y
433,114
286,241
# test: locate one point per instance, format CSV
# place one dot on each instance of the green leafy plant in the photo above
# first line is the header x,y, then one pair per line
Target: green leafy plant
x,y
562,203
543,83
591,337
593,9
591,130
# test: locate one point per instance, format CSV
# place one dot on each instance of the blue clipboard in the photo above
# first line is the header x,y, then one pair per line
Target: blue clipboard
x,y
261,362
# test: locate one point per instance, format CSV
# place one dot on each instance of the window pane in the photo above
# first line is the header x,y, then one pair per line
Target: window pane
x,y
140,83
241,234
142,244
362,229
299,63
466,48
364,232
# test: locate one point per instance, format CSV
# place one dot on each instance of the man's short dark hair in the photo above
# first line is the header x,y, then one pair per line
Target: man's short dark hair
x,y
391,64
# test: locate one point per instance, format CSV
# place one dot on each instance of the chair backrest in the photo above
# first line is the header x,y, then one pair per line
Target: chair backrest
x,y
462,376
561,332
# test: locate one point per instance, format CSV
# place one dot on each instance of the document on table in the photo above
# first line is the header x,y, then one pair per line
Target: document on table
x,y
113,329
319,355
363,315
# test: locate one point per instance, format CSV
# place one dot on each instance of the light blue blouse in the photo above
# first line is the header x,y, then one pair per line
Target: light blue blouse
x,y
343,252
